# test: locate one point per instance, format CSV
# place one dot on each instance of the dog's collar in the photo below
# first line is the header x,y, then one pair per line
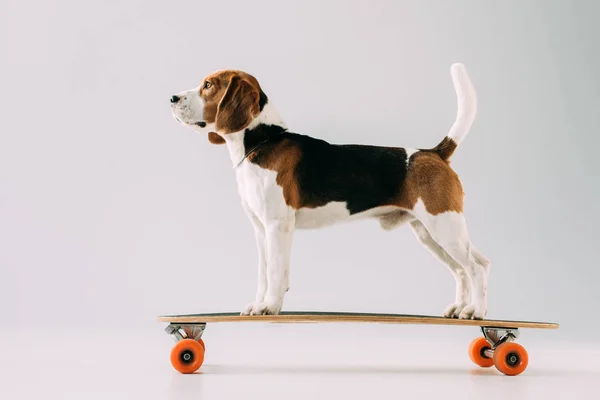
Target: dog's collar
x,y
257,146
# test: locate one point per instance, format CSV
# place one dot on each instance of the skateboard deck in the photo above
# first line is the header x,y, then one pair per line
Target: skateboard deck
x,y
497,346
335,317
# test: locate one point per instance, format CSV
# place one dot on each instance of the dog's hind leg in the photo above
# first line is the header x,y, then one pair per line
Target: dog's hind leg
x,y
449,230
463,290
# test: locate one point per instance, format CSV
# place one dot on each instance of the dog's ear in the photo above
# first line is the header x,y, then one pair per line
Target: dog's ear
x,y
214,138
239,105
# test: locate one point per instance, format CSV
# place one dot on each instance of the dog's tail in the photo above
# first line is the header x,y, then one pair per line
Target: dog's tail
x,y
467,108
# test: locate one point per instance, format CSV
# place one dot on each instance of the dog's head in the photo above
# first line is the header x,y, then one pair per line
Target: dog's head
x,y
226,101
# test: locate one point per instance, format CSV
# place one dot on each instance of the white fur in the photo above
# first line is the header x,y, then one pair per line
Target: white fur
x,y
268,116
235,145
273,221
320,217
190,107
463,286
409,152
467,103
336,212
446,236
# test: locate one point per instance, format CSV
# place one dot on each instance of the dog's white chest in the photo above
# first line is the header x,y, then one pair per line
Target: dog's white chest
x,y
258,189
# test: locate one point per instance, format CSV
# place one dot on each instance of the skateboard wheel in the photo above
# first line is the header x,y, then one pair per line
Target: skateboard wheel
x,y
476,349
202,344
187,356
510,358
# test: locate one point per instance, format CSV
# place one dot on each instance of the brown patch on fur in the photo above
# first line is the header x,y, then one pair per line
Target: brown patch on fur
x,y
215,138
231,102
432,180
445,148
238,107
282,157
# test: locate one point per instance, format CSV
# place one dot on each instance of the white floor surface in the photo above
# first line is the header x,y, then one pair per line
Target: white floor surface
x,y
288,362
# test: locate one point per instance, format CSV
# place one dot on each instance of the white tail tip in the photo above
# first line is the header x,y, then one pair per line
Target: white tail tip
x,y
467,103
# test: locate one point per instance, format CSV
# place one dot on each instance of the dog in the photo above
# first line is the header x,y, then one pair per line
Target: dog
x,y
290,181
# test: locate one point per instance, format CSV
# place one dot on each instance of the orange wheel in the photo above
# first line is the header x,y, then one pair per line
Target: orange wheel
x,y
187,356
476,354
511,358
202,344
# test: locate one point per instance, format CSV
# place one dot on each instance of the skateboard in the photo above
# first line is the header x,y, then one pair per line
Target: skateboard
x,y
497,346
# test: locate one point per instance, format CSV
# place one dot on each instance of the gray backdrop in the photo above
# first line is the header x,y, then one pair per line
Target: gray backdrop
x,y
111,212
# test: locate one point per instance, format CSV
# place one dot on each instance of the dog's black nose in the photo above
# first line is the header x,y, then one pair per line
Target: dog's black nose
x,y
174,99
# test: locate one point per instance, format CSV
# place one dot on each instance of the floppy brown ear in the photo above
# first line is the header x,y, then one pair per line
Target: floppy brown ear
x,y
214,138
238,106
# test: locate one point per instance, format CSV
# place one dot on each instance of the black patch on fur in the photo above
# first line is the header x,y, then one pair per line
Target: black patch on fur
x,y
363,176
261,133
263,100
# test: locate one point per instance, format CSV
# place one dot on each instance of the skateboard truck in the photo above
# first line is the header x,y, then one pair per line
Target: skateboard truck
x,y
497,336
185,331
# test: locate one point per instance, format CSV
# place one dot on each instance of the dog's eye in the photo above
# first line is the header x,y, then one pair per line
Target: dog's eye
x,y
207,85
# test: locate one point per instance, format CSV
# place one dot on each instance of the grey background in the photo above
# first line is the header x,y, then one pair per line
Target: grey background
x,y
110,212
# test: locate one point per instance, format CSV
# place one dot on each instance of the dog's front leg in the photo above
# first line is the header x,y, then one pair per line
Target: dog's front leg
x,y
279,235
261,245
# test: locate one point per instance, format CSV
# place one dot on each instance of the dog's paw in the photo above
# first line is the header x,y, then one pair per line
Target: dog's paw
x,y
263,308
472,311
248,309
454,310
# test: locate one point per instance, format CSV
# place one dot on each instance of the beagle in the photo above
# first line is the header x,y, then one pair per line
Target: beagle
x,y
290,181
